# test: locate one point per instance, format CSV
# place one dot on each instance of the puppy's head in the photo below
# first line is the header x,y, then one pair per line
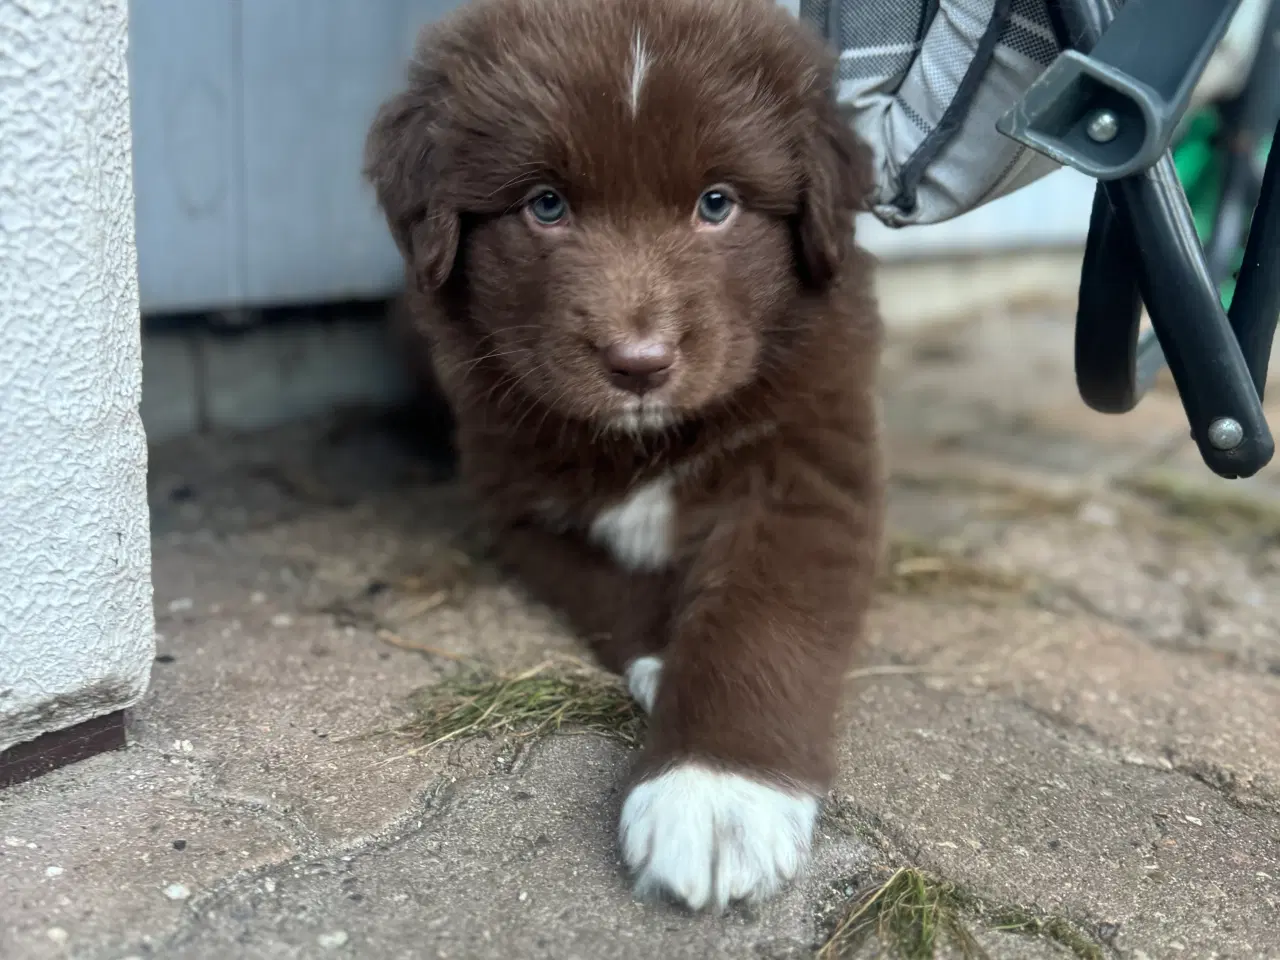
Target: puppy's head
x,y
625,200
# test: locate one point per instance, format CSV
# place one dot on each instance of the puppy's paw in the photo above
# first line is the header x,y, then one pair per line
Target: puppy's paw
x,y
708,837
642,681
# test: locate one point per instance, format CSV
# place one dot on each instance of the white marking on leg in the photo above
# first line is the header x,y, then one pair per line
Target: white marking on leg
x,y
639,531
708,837
640,61
642,680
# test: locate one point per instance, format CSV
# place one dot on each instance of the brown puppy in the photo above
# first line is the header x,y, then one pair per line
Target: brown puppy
x,y
628,232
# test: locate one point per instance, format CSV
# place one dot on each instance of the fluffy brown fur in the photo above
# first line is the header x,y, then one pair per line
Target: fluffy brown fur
x,y
722,514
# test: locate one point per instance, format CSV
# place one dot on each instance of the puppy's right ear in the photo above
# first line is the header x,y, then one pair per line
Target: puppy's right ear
x,y
403,161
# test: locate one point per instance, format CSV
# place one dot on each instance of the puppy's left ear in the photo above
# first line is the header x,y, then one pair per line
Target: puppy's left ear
x,y
837,185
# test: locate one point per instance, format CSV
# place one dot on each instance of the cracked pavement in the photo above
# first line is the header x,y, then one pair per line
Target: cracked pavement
x,y
1094,734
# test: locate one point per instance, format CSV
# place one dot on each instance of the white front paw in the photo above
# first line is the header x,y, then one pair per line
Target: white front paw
x,y
708,837
642,681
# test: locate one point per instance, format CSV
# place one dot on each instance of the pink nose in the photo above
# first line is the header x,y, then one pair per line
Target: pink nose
x,y
638,365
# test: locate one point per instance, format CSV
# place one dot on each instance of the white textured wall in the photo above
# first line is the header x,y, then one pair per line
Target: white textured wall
x,y
76,629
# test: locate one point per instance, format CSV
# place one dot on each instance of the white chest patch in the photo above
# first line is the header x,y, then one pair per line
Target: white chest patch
x,y
640,531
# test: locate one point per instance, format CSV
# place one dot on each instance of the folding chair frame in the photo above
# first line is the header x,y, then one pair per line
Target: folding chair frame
x,y
1109,106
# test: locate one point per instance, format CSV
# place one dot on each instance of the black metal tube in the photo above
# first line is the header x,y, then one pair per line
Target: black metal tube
x,y
1246,119
1114,365
1204,355
1108,313
1079,24
1255,309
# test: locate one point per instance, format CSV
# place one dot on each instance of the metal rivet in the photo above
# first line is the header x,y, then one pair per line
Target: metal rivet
x,y
1225,434
1103,127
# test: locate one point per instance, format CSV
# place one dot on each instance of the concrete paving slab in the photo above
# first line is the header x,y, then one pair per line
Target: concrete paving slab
x,y
498,867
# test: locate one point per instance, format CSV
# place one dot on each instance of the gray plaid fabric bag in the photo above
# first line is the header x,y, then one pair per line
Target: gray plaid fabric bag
x,y
924,82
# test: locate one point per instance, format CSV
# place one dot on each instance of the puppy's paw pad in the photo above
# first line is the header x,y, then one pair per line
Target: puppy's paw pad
x,y
642,681
708,837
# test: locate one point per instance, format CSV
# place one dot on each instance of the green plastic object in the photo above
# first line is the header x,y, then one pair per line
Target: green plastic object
x,y
1199,165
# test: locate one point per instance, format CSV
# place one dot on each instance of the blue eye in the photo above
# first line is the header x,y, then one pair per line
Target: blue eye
x,y
714,207
548,208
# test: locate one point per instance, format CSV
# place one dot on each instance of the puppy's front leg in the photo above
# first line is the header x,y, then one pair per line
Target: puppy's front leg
x,y
741,743
624,616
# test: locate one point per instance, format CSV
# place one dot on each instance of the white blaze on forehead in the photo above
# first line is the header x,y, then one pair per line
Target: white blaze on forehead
x,y
640,61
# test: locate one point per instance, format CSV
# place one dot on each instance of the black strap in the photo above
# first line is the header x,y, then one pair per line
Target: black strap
x,y
914,169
